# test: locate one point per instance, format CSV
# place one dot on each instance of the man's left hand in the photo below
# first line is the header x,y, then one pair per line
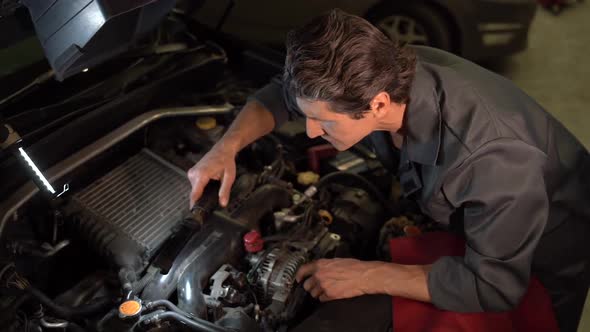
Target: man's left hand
x,y
338,278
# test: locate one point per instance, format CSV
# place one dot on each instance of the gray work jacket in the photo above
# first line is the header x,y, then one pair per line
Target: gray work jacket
x,y
478,149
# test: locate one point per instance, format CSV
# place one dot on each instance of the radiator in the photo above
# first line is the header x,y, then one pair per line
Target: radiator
x,y
143,199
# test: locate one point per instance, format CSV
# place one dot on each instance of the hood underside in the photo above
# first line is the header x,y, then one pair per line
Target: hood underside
x,y
77,34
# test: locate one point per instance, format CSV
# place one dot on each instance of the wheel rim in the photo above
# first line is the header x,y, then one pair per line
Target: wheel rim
x,y
405,29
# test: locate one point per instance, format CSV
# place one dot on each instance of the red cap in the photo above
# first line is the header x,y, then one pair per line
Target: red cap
x,y
412,230
253,242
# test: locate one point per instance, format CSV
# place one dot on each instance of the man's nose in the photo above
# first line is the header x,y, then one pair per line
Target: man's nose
x,y
313,128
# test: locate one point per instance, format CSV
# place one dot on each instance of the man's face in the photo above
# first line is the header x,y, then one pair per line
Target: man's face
x,y
341,130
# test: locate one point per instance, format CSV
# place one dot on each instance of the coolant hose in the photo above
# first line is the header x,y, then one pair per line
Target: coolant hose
x,y
193,324
169,305
360,182
263,201
69,313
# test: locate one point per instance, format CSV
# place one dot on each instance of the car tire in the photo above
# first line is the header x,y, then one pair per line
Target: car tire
x,y
412,23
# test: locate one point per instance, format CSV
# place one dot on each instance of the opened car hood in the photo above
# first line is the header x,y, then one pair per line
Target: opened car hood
x,y
77,34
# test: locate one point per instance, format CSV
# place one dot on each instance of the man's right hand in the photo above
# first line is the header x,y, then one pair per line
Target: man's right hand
x,y
253,122
218,164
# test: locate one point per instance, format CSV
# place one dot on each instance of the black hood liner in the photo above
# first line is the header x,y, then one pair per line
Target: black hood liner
x,y
77,34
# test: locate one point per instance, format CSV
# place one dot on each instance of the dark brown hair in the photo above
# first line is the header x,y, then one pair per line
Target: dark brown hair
x,y
346,61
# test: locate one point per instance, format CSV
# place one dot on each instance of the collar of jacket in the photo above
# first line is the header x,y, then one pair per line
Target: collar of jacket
x,y
422,119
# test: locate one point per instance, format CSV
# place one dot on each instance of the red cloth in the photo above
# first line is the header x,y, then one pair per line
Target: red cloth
x,y
534,313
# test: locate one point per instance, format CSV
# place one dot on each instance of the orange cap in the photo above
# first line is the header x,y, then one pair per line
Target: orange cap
x,y
326,216
130,308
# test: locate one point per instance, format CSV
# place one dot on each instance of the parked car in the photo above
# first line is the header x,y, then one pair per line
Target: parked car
x,y
475,29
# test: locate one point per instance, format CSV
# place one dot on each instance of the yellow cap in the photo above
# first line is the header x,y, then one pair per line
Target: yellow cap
x,y
130,308
206,123
307,178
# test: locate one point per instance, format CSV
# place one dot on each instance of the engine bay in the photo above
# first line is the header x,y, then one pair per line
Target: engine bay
x,y
122,250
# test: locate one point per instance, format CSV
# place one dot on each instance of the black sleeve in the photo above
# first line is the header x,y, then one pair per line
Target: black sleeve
x,y
501,190
279,101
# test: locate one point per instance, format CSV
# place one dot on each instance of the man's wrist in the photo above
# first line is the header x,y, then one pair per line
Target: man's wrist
x,y
229,143
408,281
376,277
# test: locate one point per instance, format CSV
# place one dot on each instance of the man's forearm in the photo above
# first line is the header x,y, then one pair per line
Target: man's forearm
x,y
409,281
253,122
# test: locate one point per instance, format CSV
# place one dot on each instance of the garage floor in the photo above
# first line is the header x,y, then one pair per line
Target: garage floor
x,y
555,70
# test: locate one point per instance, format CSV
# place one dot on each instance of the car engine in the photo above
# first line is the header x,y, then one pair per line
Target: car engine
x,y
123,252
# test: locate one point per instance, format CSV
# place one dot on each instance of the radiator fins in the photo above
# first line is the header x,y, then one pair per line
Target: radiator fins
x,y
134,207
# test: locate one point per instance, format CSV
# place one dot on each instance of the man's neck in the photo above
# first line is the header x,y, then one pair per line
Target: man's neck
x,y
398,140
393,123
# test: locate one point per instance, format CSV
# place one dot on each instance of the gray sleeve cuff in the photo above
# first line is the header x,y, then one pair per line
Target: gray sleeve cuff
x,y
452,286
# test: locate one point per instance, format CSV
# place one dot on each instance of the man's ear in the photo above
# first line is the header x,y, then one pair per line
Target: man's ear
x,y
380,104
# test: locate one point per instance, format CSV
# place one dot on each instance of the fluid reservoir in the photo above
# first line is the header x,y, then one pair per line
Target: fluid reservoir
x,y
208,125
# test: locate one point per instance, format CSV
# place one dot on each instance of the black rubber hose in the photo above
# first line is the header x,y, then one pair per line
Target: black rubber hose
x,y
10,312
104,319
364,184
70,313
146,279
169,305
263,201
73,327
307,215
193,324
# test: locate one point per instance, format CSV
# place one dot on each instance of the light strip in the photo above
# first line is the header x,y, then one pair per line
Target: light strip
x,y
36,170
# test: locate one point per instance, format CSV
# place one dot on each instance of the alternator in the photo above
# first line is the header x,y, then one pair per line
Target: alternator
x,y
277,274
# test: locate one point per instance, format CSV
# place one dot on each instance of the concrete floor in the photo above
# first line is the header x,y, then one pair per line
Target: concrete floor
x,y
555,70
